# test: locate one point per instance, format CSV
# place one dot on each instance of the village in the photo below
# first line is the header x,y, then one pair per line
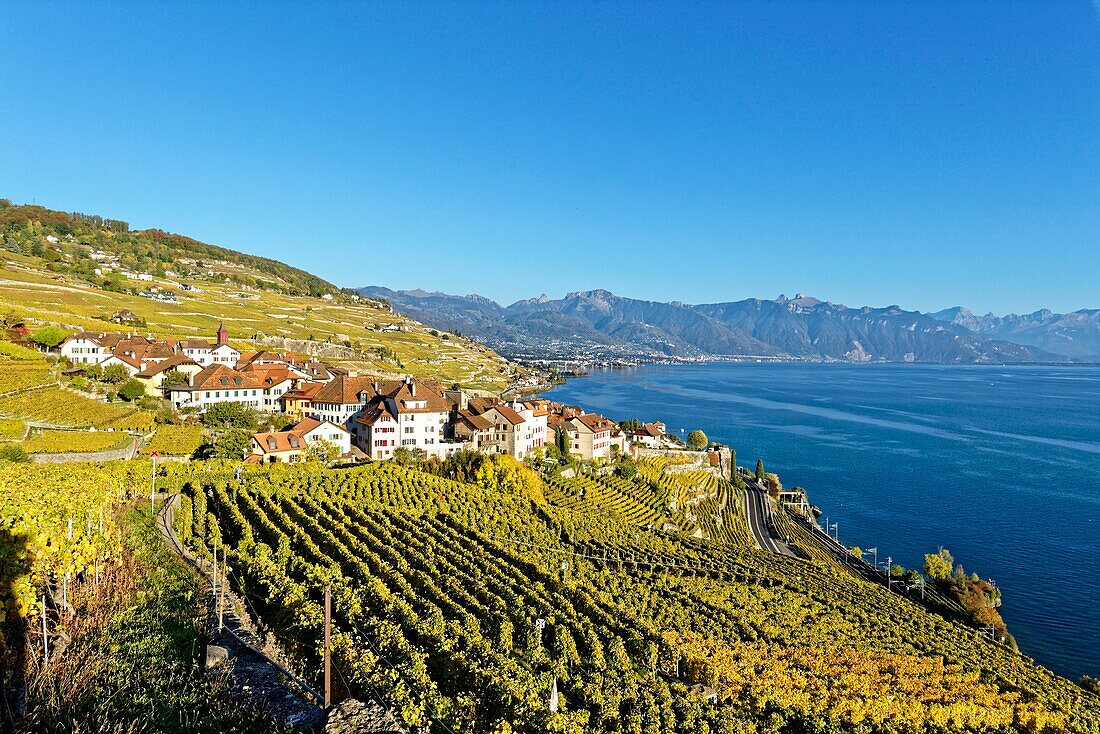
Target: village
x,y
360,416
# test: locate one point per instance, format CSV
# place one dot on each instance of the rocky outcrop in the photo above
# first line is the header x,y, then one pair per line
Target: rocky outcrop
x,y
355,717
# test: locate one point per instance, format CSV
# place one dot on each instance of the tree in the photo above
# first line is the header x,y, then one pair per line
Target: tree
x,y
627,469
132,390
759,470
114,374
322,451
856,551
236,443
49,336
561,438
938,565
697,440
230,415
173,378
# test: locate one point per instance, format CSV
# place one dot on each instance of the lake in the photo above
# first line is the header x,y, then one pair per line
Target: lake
x,y
1001,465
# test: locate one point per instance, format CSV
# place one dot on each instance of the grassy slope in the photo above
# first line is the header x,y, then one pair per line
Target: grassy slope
x,y
29,288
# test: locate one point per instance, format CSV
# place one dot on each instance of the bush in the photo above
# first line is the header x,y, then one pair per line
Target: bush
x,y
12,452
131,390
627,469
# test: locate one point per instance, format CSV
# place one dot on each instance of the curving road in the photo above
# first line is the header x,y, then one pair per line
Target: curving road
x,y
758,510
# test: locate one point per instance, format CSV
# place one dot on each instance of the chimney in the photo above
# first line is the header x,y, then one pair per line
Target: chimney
x,y
374,385
412,387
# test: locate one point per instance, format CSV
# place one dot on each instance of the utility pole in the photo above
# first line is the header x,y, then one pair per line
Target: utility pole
x,y
889,576
875,551
328,649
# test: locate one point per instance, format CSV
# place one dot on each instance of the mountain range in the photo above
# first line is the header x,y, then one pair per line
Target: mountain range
x,y
1075,335
598,324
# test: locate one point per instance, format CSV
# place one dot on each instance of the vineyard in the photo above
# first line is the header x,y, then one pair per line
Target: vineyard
x,y
54,522
56,406
175,440
696,503
11,429
69,442
23,375
439,589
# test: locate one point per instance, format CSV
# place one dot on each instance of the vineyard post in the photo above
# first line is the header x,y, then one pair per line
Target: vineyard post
x,y
153,483
225,579
216,597
328,649
45,636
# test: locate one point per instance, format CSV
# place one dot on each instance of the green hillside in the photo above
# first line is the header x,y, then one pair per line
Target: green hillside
x,y
438,587
177,287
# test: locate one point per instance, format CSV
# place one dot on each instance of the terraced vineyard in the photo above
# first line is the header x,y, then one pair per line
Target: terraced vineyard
x,y
67,442
56,406
693,503
438,588
20,375
175,441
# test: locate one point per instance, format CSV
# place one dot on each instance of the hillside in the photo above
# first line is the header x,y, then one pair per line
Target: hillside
x,y
77,271
440,586
601,324
1075,334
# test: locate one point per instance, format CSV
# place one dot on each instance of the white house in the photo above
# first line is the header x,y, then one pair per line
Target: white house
x,y
197,350
411,414
342,398
88,348
224,354
218,383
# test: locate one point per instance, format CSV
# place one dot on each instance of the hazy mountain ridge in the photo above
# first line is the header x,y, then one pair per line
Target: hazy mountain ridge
x,y
803,328
1075,334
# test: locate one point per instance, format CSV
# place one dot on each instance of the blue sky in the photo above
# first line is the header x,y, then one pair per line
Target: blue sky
x,y
922,154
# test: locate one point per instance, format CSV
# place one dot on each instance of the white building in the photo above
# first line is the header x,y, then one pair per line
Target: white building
x,y
410,414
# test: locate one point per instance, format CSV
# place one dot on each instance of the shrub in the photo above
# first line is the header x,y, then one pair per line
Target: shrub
x,y
12,452
131,390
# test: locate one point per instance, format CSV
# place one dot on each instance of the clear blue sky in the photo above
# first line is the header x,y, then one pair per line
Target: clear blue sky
x,y
919,153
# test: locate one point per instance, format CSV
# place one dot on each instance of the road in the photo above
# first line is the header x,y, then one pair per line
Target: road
x,y
758,510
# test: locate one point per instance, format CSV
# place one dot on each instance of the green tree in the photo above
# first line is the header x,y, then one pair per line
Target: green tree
x,y
230,415
173,378
627,469
697,440
856,551
132,390
114,374
759,470
938,565
322,451
561,436
236,443
49,336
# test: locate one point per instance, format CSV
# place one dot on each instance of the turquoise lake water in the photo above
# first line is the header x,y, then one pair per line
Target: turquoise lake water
x,y
999,464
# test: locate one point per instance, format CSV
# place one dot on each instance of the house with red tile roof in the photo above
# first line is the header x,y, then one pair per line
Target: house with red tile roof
x,y
218,383
288,446
155,374
592,436
411,414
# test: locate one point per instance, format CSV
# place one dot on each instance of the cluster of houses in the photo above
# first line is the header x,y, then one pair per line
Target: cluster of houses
x,y
361,416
